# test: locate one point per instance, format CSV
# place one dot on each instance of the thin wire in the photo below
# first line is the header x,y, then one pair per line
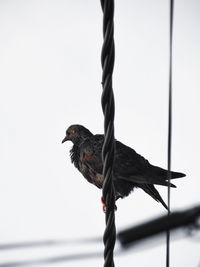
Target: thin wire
x,y
169,127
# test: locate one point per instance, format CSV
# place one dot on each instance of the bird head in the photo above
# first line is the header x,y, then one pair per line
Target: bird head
x,y
77,134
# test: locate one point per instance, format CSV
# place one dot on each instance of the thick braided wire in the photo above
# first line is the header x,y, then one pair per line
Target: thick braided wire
x,y
107,61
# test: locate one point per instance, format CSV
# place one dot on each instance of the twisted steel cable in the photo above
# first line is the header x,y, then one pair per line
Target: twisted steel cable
x,y
107,101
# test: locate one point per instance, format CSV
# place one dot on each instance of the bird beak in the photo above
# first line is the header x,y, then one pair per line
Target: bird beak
x,y
65,139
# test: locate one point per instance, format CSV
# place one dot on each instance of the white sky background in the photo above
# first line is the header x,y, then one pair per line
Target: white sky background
x,y
50,77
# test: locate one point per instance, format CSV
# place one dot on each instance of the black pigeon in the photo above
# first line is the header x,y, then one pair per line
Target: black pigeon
x,y
130,170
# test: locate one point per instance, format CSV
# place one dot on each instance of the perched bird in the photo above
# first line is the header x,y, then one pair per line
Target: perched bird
x,y
130,170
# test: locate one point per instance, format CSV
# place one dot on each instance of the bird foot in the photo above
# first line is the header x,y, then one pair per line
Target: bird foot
x,y
104,205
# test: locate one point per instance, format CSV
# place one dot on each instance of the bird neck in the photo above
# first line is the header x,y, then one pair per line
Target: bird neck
x,y
81,138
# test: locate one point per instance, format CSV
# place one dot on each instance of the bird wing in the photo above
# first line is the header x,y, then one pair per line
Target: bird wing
x,y
132,167
128,165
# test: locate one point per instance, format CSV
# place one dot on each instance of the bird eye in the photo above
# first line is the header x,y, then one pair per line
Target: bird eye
x,y
72,131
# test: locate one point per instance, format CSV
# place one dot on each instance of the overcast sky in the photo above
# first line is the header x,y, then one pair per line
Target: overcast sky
x,y
50,77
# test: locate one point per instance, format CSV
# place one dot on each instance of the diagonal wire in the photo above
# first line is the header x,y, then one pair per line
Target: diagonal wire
x,y
169,126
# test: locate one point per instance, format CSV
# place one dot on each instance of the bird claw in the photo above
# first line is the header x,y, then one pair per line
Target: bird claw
x,y
104,206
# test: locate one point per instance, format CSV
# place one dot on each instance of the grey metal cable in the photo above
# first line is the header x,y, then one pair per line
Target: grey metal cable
x,y
169,127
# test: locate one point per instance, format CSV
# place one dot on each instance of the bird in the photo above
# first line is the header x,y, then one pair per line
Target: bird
x,y
130,170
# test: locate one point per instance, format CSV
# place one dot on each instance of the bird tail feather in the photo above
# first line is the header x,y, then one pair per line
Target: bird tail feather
x,y
151,190
164,173
177,175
